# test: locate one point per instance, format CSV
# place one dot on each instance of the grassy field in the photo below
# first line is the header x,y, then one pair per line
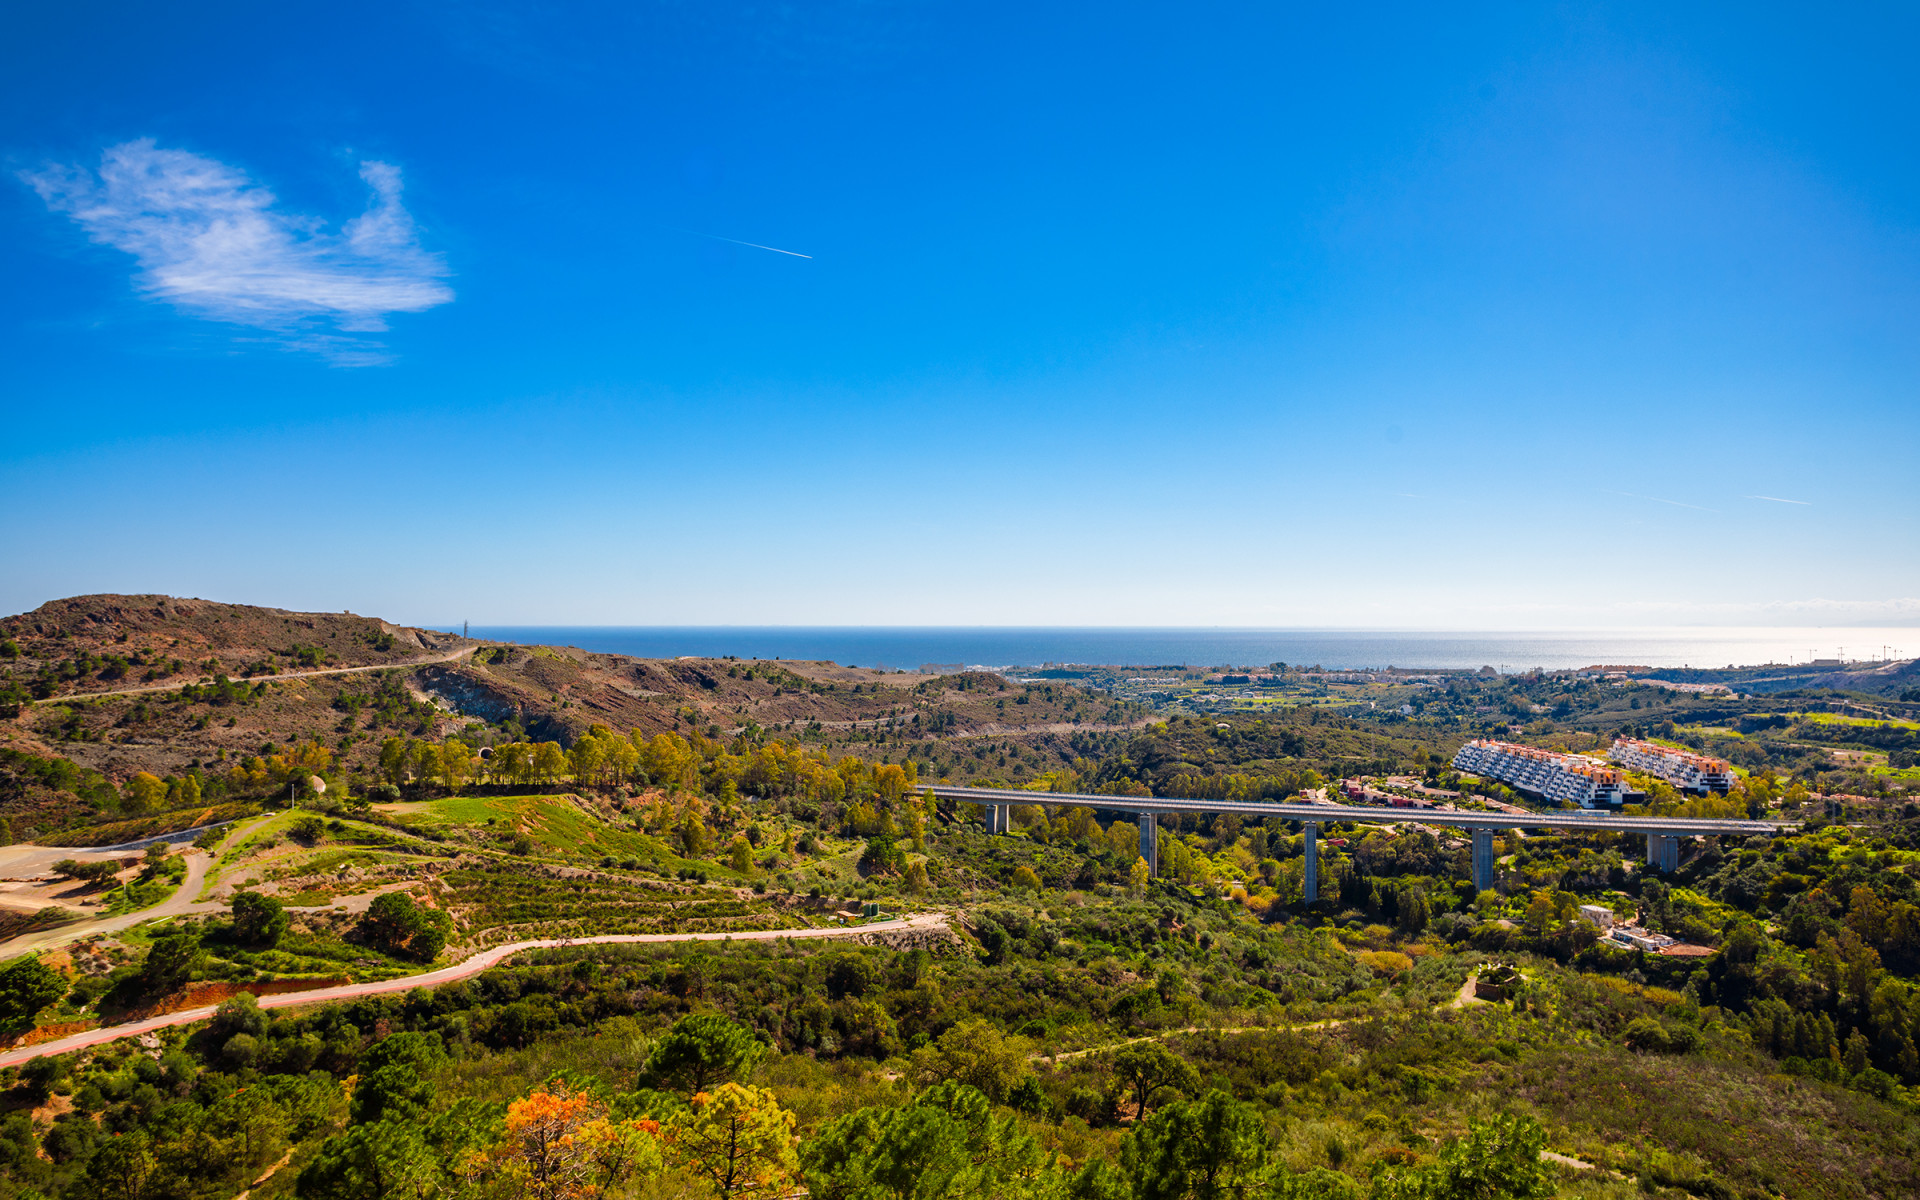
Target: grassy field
x,y
1869,722
554,826
556,823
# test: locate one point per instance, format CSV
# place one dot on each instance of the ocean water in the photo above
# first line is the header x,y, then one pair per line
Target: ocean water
x,y
899,647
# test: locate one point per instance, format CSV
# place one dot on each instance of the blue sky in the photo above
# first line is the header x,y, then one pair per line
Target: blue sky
x,y
1505,317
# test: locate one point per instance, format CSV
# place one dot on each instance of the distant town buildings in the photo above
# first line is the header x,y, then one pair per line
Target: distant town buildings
x,y
1692,689
1568,778
1361,791
1636,938
1684,769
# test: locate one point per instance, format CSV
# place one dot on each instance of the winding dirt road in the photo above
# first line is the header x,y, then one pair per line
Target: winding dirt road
x,y
283,677
1461,999
472,966
186,899
181,901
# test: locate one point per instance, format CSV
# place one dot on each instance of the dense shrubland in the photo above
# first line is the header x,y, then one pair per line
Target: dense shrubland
x,y
1086,1032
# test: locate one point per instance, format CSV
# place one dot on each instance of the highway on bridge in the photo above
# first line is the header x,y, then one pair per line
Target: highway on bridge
x,y
1663,834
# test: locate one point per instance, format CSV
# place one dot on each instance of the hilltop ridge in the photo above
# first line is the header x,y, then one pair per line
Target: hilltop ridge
x,y
146,683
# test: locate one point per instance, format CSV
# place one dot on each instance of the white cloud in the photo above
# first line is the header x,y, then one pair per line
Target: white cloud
x,y
210,241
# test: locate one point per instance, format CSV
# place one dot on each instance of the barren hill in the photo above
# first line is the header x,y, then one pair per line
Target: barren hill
x,y
89,644
123,684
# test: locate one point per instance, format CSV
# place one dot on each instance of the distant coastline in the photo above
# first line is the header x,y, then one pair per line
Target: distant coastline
x,y
909,648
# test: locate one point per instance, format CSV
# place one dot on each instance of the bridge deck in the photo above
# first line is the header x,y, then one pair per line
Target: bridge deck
x,y
1590,821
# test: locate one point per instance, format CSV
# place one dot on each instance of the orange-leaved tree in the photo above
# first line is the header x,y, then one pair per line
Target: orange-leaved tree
x,y
560,1145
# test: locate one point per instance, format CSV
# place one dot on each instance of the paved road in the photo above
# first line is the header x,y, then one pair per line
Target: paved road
x,y
25,859
1588,822
472,966
446,656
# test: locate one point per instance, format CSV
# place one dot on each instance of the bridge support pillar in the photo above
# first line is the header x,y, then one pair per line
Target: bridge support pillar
x,y
1150,843
1482,858
1310,878
1663,852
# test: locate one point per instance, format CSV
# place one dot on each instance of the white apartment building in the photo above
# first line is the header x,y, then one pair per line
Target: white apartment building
x,y
1570,778
1684,769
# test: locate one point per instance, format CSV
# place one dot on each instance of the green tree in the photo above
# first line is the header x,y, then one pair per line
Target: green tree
x,y
1414,912
377,1161
258,920
549,761
94,873
394,757
738,1140
142,794
394,1073
945,1143
122,1169
693,836
238,1015
701,1050
909,1153
27,985
240,1051
1148,1067
397,924
1213,1148
1317,1184
170,961
427,760
585,760
456,765
914,879
1137,876
1498,1159
975,1053
183,792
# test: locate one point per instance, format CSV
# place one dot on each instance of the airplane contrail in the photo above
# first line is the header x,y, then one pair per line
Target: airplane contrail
x,y
1780,500
1664,500
756,245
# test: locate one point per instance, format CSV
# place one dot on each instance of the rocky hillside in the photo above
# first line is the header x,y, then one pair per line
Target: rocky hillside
x,y
93,644
118,685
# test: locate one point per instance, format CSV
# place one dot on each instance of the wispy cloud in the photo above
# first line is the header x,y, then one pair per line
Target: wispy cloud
x,y
1780,500
212,242
1663,500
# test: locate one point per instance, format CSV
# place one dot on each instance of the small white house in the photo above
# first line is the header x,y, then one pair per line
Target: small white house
x,y
1599,914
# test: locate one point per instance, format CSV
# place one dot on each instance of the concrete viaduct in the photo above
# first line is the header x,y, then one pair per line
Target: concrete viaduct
x,y
1663,833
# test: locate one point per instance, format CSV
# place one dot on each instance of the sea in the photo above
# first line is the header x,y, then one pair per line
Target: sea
x,y
911,648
